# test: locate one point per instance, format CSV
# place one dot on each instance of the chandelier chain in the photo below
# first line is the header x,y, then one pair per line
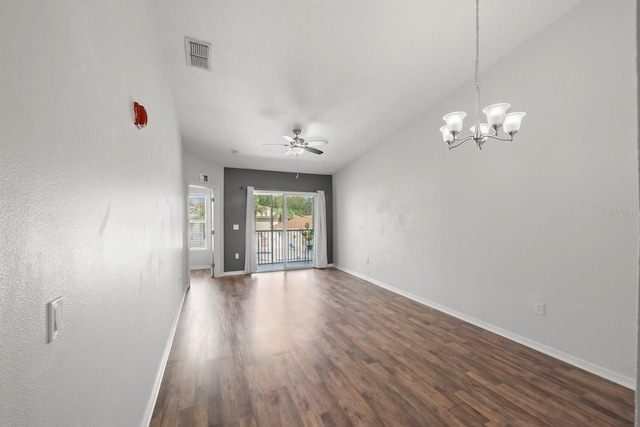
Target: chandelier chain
x,y
477,42
477,76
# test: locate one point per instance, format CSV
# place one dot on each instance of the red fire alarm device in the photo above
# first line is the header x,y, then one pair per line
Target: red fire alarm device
x,y
140,119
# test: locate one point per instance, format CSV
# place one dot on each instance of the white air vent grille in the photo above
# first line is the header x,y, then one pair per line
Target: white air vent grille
x,y
197,53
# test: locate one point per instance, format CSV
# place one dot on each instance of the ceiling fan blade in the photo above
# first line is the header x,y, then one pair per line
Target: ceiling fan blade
x,y
313,150
279,145
288,138
316,142
288,153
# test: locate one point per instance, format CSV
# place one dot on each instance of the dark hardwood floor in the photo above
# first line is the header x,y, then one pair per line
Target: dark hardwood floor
x,y
321,347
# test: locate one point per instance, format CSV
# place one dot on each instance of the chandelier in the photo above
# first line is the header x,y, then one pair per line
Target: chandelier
x,y
497,116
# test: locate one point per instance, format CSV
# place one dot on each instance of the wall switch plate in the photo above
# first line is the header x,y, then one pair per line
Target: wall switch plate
x,y
237,256
540,308
236,226
54,319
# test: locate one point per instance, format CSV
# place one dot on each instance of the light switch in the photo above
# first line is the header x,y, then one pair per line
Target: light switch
x,y
54,319
236,226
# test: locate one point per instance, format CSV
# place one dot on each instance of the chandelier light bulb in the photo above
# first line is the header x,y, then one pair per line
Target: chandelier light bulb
x,y
484,129
495,113
512,122
454,121
446,135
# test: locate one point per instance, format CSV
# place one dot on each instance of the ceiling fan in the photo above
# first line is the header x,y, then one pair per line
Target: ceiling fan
x,y
298,145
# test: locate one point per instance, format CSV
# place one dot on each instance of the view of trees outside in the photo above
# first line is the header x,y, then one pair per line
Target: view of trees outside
x,y
197,216
196,208
296,206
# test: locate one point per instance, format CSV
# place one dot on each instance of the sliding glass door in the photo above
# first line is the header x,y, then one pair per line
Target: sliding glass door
x,y
269,213
284,230
299,230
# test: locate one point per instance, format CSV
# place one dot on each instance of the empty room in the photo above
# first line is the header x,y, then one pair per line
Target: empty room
x,y
315,213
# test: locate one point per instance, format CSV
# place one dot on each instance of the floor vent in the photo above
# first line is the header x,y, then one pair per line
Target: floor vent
x,y
197,53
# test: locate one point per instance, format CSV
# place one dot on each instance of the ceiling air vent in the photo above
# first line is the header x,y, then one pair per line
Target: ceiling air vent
x,y
197,53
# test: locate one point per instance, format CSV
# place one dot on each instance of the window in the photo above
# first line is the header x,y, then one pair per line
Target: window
x,y
197,222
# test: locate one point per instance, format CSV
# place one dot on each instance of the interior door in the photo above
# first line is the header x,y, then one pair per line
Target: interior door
x,y
213,232
199,225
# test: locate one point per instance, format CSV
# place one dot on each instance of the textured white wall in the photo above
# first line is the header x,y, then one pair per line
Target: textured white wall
x,y
193,166
638,306
91,209
551,218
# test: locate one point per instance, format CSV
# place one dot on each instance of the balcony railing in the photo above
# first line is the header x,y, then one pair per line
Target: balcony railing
x,y
271,247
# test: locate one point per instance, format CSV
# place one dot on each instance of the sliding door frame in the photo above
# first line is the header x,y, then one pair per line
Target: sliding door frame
x,y
284,194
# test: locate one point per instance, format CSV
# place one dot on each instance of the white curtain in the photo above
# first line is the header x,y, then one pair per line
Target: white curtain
x,y
250,261
320,231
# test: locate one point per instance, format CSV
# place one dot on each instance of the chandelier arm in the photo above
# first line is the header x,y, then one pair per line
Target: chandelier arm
x,y
460,142
499,138
451,147
465,139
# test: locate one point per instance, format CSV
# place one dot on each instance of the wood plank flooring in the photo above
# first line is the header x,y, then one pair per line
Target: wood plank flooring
x,y
323,348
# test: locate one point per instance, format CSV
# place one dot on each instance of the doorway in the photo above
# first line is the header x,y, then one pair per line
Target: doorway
x,y
201,228
284,230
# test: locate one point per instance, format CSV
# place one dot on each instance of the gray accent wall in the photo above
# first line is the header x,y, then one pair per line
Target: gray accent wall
x,y
235,201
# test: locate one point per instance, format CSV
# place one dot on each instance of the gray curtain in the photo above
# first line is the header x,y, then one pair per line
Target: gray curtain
x,y
250,256
320,231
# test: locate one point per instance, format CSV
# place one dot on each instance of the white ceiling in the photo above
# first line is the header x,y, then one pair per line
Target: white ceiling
x,y
348,71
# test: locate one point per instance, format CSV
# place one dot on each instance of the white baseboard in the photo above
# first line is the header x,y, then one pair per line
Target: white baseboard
x,y
148,413
200,267
241,272
234,273
617,378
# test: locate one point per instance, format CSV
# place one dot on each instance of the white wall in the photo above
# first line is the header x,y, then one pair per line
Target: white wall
x,y
194,165
637,418
91,209
488,233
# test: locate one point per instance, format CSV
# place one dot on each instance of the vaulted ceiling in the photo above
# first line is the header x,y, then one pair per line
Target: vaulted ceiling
x,y
349,71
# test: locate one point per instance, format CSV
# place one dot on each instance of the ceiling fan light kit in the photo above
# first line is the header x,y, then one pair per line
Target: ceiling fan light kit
x,y
497,116
298,145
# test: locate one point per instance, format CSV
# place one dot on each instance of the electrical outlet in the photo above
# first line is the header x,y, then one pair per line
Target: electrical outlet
x,y
540,309
237,256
